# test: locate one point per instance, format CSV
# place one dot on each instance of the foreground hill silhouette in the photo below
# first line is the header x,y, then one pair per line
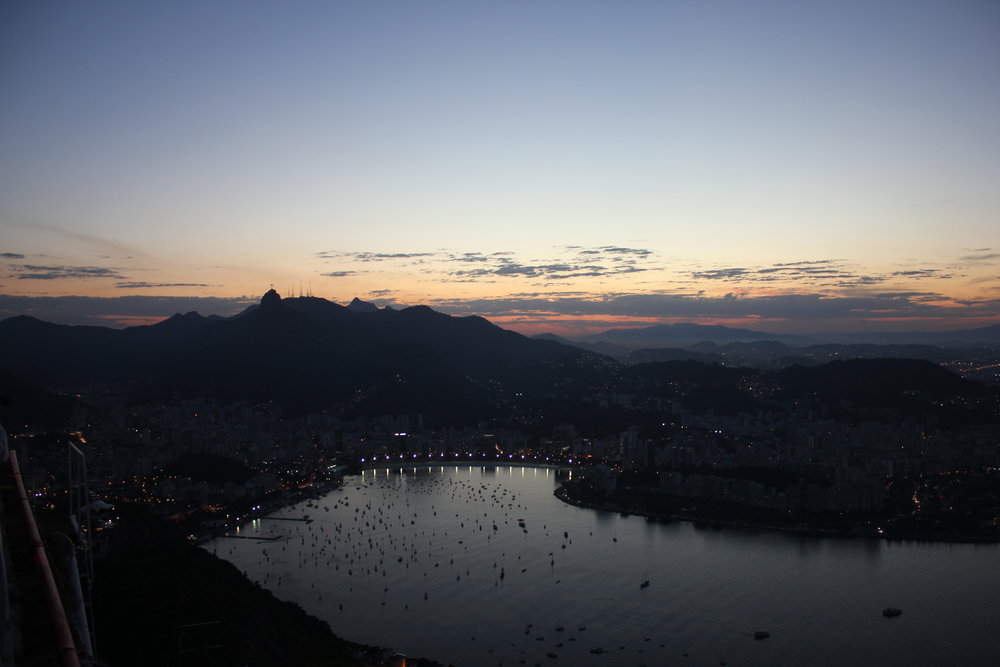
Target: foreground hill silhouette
x,y
151,583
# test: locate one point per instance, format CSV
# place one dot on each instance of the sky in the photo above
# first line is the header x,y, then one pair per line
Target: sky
x,y
785,166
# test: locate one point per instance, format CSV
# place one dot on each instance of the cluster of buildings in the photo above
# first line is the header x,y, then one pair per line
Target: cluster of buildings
x,y
789,459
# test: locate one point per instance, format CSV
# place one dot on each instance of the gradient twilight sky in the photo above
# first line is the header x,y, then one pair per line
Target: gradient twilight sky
x,y
557,166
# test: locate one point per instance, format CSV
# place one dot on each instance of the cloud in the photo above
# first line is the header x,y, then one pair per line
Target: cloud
x,y
720,274
921,273
382,256
548,295
779,271
622,261
808,262
489,267
475,257
572,262
140,285
122,309
506,263
372,256
99,243
553,271
820,273
693,306
610,250
981,258
856,281
35,272
11,255
643,252
339,274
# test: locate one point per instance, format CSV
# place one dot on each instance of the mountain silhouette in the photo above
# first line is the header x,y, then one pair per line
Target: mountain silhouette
x,y
359,306
305,353
683,334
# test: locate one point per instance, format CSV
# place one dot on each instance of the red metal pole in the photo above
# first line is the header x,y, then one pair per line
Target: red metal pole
x,y
65,646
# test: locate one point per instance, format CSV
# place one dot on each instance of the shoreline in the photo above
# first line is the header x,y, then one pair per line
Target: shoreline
x,y
480,463
317,490
562,493
321,488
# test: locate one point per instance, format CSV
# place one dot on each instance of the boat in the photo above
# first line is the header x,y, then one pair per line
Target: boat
x,y
891,612
761,634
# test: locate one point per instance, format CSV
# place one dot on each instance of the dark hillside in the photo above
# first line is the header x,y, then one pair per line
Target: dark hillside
x,y
909,387
152,582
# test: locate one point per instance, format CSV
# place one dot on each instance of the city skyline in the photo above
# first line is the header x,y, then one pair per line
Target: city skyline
x,y
564,167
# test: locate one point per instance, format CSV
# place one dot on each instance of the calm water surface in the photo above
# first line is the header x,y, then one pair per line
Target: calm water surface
x,y
433,562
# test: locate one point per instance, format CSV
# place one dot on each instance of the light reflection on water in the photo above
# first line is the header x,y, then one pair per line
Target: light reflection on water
x,y
416,565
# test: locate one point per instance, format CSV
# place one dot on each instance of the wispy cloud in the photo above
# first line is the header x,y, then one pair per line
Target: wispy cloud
x,y
987,257
808,262
338,274
570,262
558,271
35,272
140,285
371,256
922,273
97,243
723,274
121,309
618,250
694,306
824,272
473,257
11,255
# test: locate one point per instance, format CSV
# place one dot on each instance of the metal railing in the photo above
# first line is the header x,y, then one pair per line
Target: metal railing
x,y
64,646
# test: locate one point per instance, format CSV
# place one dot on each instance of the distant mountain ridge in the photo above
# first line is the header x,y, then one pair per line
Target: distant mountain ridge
x,y
980,335
684,333
619,341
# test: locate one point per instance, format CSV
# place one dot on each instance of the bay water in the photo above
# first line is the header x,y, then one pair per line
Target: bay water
x,y
481,565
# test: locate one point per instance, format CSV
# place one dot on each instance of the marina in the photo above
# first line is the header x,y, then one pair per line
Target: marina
x,y
435,562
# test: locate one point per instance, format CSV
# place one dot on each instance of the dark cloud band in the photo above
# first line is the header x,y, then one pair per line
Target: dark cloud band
x,y
35,272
